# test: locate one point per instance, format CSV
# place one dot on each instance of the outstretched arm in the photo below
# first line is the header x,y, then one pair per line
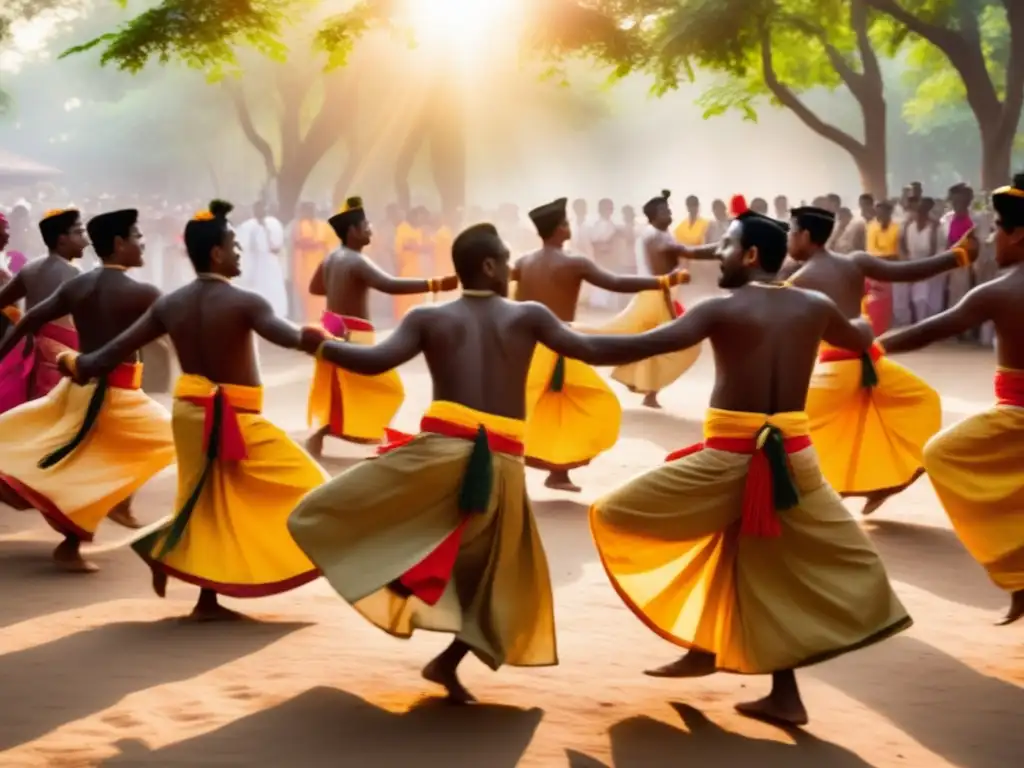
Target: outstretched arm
x,y
886,271
707,252
400,347
55,306
690,329
854,335
379,280
146,329
274,329
969,313
629,283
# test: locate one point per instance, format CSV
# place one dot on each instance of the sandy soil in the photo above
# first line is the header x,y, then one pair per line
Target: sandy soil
x,y
96,671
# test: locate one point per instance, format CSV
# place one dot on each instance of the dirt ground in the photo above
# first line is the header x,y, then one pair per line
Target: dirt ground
x,y
94,670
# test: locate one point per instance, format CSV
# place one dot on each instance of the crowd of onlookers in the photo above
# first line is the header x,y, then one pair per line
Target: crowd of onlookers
x,y
279,257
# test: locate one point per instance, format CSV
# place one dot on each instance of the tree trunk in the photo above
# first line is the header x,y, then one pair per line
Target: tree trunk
x,y
996,160
873,160
448,145
290,183
407,156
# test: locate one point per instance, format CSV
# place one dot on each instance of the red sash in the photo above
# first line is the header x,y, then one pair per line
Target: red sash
x,y
836,355
126,376
768,488
1010,388
339,325
429,578
231,443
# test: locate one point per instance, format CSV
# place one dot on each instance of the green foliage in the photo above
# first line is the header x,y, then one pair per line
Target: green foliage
x,y
203,34
940,97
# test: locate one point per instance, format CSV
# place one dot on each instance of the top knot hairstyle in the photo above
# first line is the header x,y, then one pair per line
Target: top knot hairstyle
x,y
1008,202
351,215
651,206
205,232
57,223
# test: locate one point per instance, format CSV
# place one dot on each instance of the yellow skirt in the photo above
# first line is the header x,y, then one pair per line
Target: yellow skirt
x,y
870,439
646,312
976,468
356,408
129,442
381,519
233,539
670,543
571,413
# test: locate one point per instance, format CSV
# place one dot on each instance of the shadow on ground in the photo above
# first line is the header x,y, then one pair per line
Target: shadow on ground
x,y
120,659
642,742
968,718
328,727
933,559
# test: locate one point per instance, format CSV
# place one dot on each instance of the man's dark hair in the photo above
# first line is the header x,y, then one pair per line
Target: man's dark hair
x,y
107,227
651,206
56,224
472,247
816,222
768,235
205,232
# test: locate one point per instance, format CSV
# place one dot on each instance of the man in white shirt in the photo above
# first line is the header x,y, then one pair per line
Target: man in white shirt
x,y
602,235
262,241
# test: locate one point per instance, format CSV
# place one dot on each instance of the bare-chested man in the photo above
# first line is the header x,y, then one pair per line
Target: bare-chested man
x,y
650,309
239,476
32,370
78,454
346,405
870,417
975,465
444,516
572,414
737,549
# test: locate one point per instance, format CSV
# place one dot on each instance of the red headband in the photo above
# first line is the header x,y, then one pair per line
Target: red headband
x,y
737,205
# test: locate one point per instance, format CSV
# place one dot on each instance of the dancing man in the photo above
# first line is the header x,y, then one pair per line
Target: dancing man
x,y
571,413
346,405
78,454
239,476
653,308
31,371
870,417
437,532
737,548
975,464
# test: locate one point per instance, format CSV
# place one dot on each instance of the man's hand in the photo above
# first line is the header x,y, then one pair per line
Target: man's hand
x,y
679,277
448,283
310,339
969,243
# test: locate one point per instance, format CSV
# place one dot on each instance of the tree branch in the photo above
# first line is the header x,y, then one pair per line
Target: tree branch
x,y
792,102
938,35
1013,100
859,21
260,144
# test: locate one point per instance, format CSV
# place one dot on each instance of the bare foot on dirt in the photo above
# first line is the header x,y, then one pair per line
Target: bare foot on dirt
x,y
446,676
122,515
651,400
692,664
203,614
1016,609
560,481
774,709
68,558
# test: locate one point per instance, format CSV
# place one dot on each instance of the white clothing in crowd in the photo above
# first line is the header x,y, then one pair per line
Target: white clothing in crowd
x,y
262,243
602,238
926,296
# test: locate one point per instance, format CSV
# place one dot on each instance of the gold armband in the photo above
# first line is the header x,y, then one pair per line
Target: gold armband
x,y
12,313
665,281
431,285
963,259
70,360
319,354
